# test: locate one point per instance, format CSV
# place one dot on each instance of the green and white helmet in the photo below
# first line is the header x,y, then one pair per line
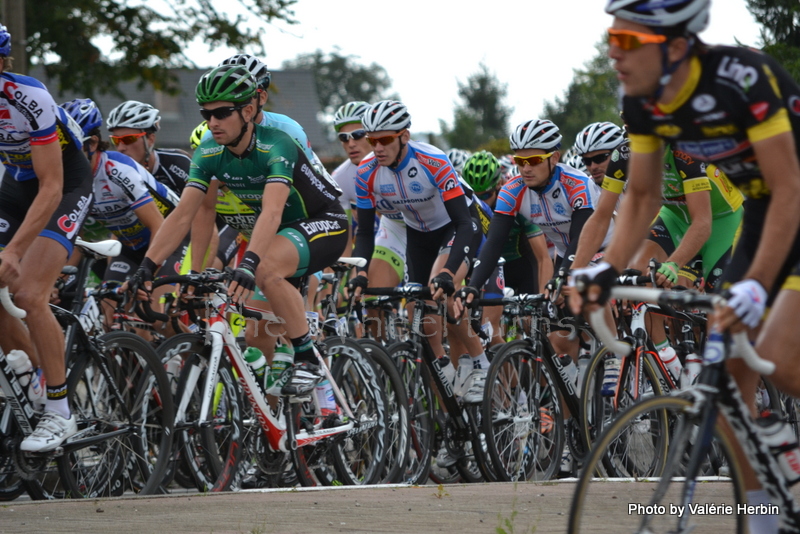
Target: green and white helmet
x,y
482,171
349,113
226,83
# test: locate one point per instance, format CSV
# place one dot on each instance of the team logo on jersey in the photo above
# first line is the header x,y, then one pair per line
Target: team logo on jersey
x,y
449,184
5,114
415,187
559,208
759,110
536,210
667,130
794,104
745,75
556,193
619,174
578,204
720,130
388,190
4,226
412,172
119,266
704,103
615,156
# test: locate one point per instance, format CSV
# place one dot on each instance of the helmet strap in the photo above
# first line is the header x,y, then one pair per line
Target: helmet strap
x,y
239,138
399,157
667,68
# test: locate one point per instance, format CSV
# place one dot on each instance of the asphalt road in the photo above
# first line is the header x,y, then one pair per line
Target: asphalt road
x,y
491,508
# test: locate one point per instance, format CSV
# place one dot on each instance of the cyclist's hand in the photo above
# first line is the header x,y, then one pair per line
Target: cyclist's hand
x,y
9,267
187,290
464,298
357,285
243,282
442,284
747,300
593,287
550,288
141,283
667,274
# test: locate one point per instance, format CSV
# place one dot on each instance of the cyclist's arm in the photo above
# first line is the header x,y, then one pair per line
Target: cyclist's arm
x,y
203,225
642,201
699,205
269,220
50,173
595,229
365,236
777,159
492,248
458,211
579,219
176,225
149,216
543,260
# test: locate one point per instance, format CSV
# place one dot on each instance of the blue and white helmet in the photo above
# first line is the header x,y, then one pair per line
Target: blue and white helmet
x,y
5,41
386,115
85,113
536,133
690,14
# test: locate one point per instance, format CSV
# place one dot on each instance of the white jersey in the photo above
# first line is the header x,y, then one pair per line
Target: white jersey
x,y
345,175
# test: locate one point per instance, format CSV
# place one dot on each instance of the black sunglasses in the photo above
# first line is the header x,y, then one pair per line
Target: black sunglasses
x,y
219,113
597,160
355,135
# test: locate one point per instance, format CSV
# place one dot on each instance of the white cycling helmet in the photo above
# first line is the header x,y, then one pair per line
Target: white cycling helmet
x,y
349,113
573,159
690,15
458,157
536,133
598,136
386,115
133,114
256,67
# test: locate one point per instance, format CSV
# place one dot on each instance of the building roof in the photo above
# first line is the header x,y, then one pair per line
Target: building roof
x,y
292,93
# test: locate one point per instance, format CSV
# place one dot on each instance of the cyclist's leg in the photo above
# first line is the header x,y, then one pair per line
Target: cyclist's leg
x,y
387,267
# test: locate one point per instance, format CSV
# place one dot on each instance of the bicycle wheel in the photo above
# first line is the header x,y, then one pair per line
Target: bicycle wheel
x,y
642,435
522,417
359,456
599,410
398,434
212,450
123,405
417,381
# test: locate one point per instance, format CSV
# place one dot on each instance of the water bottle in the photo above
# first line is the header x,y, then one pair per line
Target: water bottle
x,y
671,362
173,369
569,368
283,359
257,362
584,357
29,378
782,442
690,371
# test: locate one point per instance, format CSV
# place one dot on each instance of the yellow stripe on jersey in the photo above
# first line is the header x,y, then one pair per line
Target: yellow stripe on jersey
x,y
792,283
326,234
645,144
695,185
613,185
688,88
777,124
727,190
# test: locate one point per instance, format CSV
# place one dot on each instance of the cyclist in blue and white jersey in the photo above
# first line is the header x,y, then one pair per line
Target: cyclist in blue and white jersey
x,y
44,198
441,230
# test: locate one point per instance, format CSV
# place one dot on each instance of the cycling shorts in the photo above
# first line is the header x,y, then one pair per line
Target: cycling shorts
x,y
390,245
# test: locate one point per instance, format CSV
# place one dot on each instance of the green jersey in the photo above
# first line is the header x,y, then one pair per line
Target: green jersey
x,y
272,157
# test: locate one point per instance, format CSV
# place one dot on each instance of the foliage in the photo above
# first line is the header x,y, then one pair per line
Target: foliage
x,y
147,39
482,116
340,79
498,147
780,31
590,97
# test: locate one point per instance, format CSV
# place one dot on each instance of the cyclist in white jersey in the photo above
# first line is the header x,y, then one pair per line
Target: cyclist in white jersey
x,y
442,232
44,199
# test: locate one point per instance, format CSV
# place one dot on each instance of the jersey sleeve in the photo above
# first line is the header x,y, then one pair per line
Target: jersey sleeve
x,y
441,174
128,181
30,100
509,199
617,170
577,190
365,180
281,161
201,171
692,172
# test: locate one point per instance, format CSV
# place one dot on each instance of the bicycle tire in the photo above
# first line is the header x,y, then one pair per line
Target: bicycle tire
x,y
398,434
662,415
522,415
416,377
137,458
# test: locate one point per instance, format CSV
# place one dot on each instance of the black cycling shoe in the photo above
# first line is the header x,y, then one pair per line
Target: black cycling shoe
x,y
305,377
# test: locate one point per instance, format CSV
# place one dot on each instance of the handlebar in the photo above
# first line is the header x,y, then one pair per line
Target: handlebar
x,y
8,304
742,347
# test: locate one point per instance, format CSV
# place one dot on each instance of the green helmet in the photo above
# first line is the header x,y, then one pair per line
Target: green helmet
x,y
481,171
226,83
197,134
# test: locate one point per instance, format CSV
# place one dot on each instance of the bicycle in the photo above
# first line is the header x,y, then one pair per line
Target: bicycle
x,y
209,418
670,437
116,392
461,432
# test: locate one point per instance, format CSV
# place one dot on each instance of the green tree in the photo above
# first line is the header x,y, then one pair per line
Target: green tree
x,y
482,116
340,79
590,97
147,40
780,21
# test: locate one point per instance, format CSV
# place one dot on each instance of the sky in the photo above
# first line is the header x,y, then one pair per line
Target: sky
x,y
428,46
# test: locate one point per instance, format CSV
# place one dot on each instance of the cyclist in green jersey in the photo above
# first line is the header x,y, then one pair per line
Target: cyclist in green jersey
x,y
300,226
